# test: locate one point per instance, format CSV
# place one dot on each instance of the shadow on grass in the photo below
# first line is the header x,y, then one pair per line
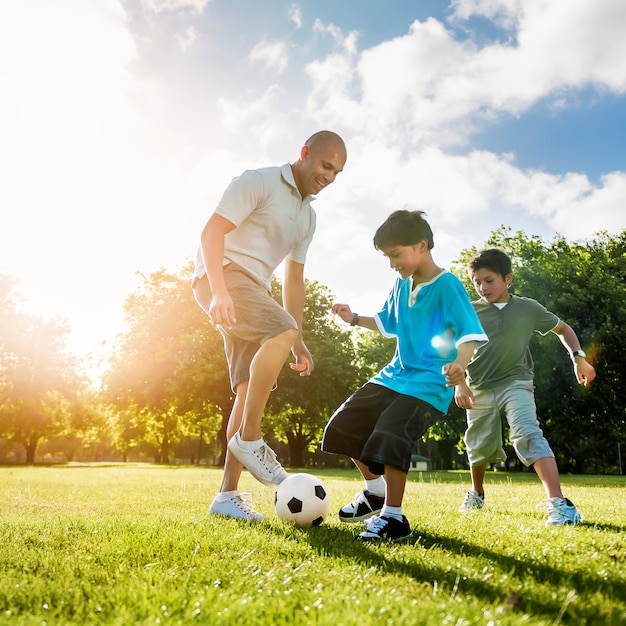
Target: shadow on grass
x,y
340,542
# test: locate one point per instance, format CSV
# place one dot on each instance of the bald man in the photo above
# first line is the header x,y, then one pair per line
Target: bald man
x,y
264,217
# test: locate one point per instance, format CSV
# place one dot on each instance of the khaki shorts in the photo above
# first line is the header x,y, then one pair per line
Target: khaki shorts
x,y
483,437
259,318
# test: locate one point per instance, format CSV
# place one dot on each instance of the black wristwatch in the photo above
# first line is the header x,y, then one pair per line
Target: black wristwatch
x,y
355,319
578,353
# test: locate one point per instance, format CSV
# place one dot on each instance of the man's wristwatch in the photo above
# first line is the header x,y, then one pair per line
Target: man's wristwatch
x,y
355,320
578,353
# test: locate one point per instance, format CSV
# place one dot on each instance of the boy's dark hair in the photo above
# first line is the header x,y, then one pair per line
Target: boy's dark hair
x,y
494,259
403,228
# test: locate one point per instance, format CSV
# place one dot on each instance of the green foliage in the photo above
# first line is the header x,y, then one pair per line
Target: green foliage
x,y
168,369
300,407
374,352
38,378
148,553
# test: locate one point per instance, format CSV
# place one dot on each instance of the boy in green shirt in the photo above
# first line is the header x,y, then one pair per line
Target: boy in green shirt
x,y
500,380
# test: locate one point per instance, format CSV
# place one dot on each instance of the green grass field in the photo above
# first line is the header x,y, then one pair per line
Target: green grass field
x,y
133,544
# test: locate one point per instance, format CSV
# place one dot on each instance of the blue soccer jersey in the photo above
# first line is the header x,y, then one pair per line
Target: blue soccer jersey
x,y
429,323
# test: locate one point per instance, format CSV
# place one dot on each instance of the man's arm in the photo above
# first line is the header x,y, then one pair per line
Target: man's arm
x,y
221,309
293,301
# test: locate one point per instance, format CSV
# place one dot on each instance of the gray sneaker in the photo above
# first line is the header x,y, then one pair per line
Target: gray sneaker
x,y
560,512
472,502
261,463
237,507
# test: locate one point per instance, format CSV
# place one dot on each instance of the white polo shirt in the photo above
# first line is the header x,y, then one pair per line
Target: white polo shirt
x,y
272,220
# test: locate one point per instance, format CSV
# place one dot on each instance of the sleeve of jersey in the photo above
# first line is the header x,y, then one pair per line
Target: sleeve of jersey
x,y
468,326
545,320
387,318
241,197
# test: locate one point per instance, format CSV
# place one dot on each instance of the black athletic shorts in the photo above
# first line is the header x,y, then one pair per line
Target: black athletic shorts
x,y
378,427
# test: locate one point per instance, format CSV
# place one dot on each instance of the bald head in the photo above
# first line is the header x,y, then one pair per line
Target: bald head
x,y
322,157
324,137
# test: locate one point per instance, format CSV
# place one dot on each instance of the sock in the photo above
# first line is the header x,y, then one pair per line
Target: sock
x,y
392,511
222,496
250,445
376,486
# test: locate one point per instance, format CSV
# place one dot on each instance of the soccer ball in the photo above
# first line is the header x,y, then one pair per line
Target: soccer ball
x,y
302,499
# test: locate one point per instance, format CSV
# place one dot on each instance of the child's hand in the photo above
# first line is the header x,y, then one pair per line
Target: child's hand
x,y
454,373
343,311
585,372
463,396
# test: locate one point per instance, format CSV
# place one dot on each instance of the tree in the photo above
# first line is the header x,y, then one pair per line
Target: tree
x,y
300,406
38,377
168,372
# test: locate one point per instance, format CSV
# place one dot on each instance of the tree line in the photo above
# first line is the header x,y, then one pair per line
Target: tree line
x,y
164,393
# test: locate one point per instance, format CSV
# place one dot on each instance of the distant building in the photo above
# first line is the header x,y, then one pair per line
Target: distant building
x,y
419,463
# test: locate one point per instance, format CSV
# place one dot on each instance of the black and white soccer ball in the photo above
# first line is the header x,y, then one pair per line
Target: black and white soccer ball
x,y
302,499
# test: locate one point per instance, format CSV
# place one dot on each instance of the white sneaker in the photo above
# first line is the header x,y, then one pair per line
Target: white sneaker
x,y
237,506
261,463
472,502
560,512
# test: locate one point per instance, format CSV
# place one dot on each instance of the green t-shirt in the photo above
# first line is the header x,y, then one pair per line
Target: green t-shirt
x,y
506,356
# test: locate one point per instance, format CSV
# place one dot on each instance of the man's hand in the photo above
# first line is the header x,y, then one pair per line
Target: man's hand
x,y
222,310
304,360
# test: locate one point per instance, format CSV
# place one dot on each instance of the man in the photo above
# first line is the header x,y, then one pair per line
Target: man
x,y
264,217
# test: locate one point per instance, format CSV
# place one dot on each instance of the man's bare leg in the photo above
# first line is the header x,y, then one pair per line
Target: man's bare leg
x,y
264,370
232,467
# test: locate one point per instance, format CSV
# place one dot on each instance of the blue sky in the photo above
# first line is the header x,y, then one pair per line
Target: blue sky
x,y
122,121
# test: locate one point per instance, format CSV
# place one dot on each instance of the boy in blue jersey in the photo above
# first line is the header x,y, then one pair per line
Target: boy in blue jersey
x,y
500,379
429,313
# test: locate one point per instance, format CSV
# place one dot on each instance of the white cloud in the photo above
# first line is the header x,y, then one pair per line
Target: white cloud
x,y
429,87
504,13
158,6
187,38
295,15
271,54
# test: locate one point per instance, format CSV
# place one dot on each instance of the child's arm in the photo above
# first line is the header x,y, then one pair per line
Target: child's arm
x,y
354,319
455,371
455,375
584,371
463,396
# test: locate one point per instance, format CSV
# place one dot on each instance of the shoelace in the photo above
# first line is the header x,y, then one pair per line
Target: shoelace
x,y
267,457
472,497
244,501
358,498
375,524
554,506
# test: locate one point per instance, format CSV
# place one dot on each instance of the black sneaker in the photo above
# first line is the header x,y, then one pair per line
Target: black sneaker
x,y
365,505
379,528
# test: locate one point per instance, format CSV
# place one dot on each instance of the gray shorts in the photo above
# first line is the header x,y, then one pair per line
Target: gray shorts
x,y
259,318
378,426
483,437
